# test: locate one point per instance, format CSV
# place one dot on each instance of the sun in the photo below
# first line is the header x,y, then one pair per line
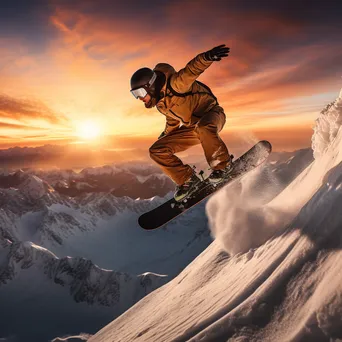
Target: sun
x,y
88,130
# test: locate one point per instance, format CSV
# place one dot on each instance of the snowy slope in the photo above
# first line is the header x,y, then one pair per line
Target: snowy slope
x,y
97,227
273,272
94,226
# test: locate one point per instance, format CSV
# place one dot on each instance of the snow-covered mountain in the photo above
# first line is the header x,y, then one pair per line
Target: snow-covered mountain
x,y
273,272
40,227
30,273
51,242
125,179
86,281
99,226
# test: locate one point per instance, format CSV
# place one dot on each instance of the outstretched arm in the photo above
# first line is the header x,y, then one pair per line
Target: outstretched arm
x,y
182,80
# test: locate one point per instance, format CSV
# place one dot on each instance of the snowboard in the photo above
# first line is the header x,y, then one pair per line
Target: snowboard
x,y
169,210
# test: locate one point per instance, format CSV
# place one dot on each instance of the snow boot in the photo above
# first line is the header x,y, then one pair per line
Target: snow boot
x,y
189,187
217,176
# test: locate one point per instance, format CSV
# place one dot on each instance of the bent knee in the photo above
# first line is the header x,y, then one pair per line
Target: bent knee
x,y
212,121
203,127
157,150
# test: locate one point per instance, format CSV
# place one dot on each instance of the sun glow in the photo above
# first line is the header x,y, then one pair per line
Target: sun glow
x,y
88,130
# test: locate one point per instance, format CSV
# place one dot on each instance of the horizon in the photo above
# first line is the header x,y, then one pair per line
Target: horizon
x,y
81,156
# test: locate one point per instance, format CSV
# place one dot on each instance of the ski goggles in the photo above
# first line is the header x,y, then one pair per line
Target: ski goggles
x,y
142,90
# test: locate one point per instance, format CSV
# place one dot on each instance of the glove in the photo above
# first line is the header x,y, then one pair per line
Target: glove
x,y
161,135
217,53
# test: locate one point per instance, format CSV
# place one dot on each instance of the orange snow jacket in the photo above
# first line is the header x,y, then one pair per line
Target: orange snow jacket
x,y
183,99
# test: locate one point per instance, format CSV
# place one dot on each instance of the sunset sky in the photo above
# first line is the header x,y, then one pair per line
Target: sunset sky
x,y
65,67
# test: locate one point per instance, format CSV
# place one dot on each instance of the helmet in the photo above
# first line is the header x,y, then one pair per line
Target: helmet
x,y
142,81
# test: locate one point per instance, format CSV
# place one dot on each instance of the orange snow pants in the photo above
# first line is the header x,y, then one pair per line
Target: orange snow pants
x,y
204,131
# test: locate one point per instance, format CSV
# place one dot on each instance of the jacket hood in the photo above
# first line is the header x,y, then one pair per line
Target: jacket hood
x,y
165,68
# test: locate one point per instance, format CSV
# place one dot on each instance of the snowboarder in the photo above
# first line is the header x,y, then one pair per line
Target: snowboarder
x,y
193,116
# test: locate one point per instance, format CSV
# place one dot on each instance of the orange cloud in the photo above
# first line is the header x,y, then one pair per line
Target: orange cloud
x,y
19,109
85,68
19,127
